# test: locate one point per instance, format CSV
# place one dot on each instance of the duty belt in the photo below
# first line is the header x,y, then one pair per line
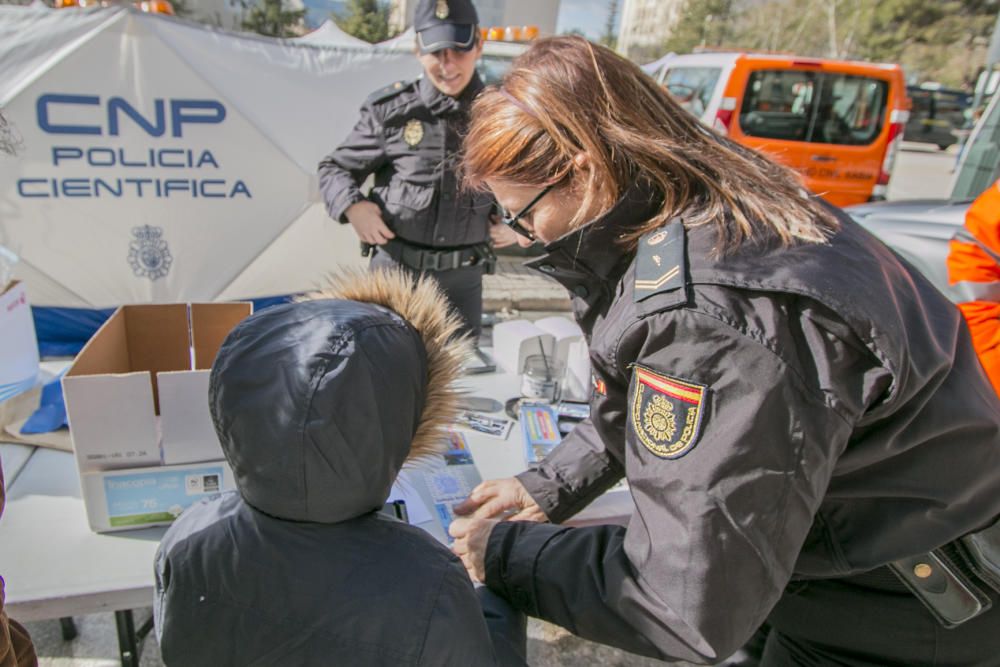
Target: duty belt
x,y
952,581
433,259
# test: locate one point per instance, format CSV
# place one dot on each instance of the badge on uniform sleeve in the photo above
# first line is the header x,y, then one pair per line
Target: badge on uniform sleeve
x,y
666,413
413,133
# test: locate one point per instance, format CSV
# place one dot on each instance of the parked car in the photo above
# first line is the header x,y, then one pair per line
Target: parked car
x,y
937,114
919,230
839,123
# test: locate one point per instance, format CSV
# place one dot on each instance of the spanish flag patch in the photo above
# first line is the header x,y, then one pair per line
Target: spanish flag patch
x,y
666,413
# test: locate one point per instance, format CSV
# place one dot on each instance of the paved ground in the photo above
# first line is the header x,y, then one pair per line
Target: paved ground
x,y
922,172
96,646
514,291
515,287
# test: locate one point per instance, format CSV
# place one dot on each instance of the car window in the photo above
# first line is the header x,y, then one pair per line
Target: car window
x,y
980,166
951,106
692,87
944,108
802,105
492,68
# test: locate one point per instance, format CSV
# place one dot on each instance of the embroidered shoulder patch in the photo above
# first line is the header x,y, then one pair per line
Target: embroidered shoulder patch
x,y
666,413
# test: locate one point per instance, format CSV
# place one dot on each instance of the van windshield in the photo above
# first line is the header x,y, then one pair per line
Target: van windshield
x,y
815,107
692,87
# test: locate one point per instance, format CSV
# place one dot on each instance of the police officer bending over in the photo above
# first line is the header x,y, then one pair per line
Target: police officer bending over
x,y
409,135
805,429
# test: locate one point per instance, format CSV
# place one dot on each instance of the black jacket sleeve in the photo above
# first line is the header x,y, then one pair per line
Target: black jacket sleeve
x,y
586,463
717,531
342,172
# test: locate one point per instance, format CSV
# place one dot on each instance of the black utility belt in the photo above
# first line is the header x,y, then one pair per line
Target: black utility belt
x,y
953,581
422,258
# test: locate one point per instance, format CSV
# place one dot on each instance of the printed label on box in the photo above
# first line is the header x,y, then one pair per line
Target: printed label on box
x,y
158,496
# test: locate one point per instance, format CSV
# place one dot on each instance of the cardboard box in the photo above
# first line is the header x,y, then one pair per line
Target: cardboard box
x,y
19,351
155,496
137,397
141,384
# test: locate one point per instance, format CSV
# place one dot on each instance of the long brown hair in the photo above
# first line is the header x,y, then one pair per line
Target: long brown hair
x,y
566,95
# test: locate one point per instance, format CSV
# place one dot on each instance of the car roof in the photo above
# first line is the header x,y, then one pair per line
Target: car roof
x,y
730,58
719,59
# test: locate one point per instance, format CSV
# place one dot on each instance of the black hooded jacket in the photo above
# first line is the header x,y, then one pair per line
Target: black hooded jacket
x,y
317,405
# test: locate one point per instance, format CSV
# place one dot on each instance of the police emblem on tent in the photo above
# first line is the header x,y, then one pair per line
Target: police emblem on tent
x,y
148,253
666,413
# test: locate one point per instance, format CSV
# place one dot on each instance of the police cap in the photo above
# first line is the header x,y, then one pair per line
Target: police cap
x,y
445,24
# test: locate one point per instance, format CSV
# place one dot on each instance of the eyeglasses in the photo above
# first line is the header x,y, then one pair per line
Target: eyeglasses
x,y
512,220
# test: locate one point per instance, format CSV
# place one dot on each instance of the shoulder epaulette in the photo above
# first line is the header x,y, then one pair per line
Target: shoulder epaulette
x,y
386,92
660,262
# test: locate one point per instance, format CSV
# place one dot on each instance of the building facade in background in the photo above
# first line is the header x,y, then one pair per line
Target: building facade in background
x,y
645,25
542,13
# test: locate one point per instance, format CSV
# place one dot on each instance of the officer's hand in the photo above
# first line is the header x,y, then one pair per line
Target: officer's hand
x,y
366,218
495,497
471,537
501,234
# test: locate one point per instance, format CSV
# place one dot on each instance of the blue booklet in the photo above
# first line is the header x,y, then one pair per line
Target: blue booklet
x,y
540,426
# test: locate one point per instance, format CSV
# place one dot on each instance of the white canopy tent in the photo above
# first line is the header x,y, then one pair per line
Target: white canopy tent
x,y
329,34
165,161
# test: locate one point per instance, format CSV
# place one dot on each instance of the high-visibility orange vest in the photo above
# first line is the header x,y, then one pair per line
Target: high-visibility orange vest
x,y
974,267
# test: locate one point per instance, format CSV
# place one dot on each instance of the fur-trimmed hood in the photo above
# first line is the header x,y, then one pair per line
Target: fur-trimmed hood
x,y
319,403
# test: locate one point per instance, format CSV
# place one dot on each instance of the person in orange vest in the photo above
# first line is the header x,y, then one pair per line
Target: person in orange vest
x,y
974,267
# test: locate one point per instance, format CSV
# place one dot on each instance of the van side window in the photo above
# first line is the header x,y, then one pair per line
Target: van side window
x,y
816,107
778,104
850,110
692,87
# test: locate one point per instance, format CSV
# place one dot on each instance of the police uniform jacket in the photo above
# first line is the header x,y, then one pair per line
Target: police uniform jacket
x,y
779,413
409,135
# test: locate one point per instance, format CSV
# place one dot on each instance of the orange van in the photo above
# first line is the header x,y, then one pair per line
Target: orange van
x,y
838,123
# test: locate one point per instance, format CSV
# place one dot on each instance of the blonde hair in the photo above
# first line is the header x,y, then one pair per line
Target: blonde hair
x,y
565,96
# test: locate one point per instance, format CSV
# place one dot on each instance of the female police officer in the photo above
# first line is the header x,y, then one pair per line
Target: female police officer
x,y
408,136
800,416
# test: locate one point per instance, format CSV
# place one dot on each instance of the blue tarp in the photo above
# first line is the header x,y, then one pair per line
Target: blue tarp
x,y
62,332
51,413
